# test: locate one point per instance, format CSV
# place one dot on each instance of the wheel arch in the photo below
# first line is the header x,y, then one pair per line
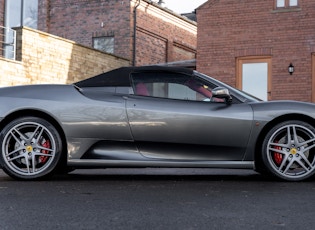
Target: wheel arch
x,y
294,116
40,114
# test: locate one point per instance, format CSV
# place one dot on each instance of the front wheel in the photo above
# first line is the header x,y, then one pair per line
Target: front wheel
x,y
30,148
288,150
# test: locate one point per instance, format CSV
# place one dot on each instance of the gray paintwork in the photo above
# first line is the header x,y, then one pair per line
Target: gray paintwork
x,y
107,129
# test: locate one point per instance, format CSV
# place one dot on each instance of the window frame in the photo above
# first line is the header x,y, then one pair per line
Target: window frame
x,y
287,4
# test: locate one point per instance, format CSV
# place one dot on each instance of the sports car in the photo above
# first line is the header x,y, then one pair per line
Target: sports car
x,y
152,116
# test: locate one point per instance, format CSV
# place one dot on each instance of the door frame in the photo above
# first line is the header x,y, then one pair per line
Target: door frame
x,y
253,59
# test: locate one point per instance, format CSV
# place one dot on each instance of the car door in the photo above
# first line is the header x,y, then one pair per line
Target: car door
x,y
171,119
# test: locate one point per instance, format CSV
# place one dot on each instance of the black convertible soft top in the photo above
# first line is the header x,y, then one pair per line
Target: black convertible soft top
x,y
120,76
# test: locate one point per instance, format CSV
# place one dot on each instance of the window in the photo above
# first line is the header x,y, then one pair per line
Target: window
x,y
18,13
286,3
21,13
105,44
280,3
171,86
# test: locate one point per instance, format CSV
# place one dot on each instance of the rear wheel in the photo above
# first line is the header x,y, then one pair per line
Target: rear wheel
x,y
30,148
288,150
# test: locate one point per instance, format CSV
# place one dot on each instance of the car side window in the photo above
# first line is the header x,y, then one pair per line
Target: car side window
x,y
171,86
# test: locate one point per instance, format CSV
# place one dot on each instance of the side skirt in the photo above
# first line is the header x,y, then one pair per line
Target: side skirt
x,y
87,163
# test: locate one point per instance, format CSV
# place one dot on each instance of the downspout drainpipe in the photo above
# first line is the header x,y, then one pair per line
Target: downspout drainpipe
x,y
134,32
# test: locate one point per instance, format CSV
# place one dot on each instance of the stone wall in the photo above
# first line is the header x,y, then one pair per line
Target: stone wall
x,y
44,58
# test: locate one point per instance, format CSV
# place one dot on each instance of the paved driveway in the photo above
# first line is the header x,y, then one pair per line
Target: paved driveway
x,y
156,199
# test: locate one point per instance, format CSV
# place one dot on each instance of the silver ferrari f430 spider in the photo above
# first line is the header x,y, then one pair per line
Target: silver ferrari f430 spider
x,y
152,116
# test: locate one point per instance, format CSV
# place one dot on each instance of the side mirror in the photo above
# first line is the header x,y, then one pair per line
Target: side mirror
x,y
222,93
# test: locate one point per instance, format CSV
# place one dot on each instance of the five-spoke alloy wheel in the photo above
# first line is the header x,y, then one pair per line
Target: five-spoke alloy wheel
x,y
289,150
30,148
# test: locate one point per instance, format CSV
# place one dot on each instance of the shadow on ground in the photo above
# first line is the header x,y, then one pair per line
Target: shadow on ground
x,y
164,175
158,174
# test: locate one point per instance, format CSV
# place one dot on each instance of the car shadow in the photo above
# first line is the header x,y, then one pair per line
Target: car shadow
x,y
163,175
160,174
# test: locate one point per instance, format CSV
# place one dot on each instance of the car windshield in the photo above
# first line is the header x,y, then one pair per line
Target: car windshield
x,y
239,94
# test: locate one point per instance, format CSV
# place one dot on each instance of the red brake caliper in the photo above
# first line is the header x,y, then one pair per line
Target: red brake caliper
x,y
277,156
45,144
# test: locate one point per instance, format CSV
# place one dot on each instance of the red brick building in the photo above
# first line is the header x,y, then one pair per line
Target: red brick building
x,y
161,35
250,44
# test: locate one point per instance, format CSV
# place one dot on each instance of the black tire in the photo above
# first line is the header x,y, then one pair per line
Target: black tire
x,y
288,150
31,148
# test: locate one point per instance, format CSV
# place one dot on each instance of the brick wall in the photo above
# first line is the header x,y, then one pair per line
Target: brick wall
x,y
43,15
157,28
1,29
151,48
163,36
230,29
81,20
1,12
44,58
